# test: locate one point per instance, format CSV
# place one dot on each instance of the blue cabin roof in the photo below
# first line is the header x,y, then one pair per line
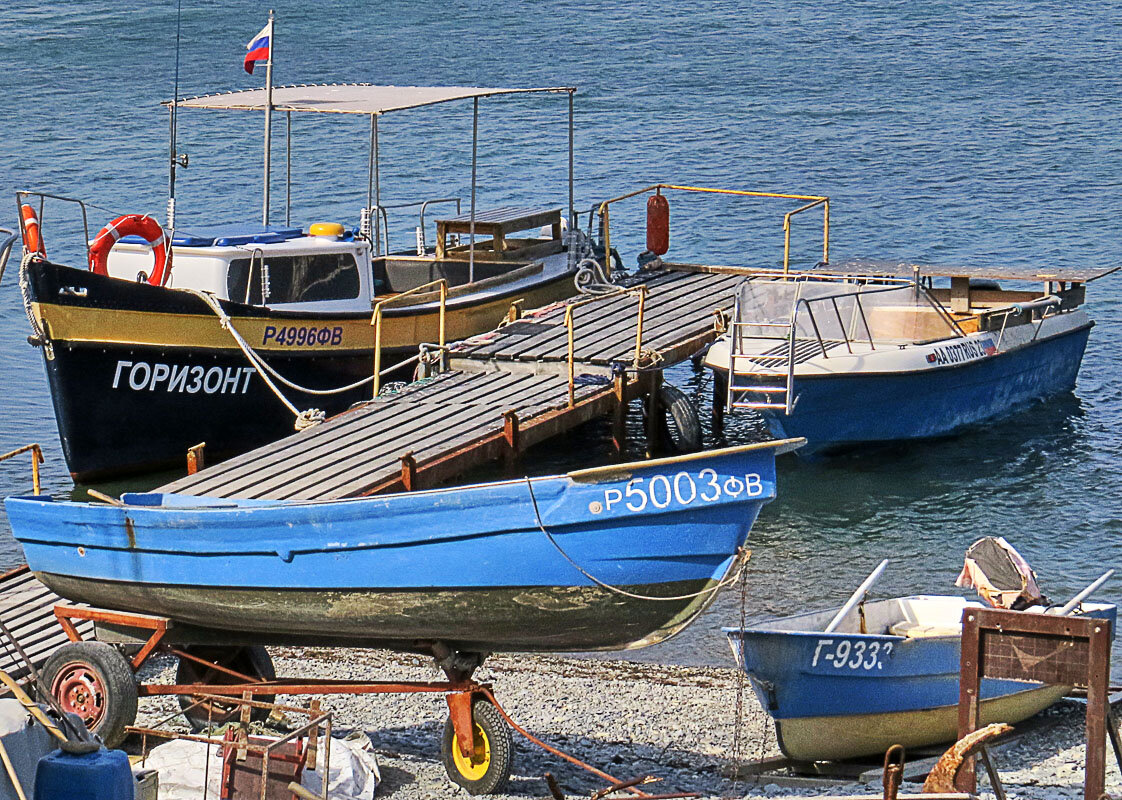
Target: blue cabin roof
x,y
228,235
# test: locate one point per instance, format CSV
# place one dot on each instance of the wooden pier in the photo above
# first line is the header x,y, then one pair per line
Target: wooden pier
x,y
529,380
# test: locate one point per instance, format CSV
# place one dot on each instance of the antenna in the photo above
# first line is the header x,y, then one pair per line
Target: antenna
x,y
174,160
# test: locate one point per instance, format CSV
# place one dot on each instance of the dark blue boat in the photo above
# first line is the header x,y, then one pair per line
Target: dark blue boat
x,y
608,558
849,360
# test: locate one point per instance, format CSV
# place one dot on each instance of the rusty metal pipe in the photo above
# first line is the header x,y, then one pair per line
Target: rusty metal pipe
x,y
36,460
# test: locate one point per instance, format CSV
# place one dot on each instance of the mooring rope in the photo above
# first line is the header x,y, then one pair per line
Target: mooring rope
x,y
25,293
728,580
304,419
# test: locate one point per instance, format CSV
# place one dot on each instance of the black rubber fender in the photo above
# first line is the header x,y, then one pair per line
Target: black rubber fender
x,y
685,432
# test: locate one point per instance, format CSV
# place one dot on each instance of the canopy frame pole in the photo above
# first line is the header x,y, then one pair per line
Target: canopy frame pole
x,y
268,119
572,218
288,169
370,178
474,159
375,169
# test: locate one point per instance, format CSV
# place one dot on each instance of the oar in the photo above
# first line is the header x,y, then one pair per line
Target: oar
x,y
855,598
1074,602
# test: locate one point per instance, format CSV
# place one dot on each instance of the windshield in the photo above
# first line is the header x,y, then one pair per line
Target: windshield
x,y
841,311
293,279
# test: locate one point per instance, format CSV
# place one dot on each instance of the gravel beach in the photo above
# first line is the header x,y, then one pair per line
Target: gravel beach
x,y
630,720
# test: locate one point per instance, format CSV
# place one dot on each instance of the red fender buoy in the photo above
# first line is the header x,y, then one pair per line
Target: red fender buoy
x,y
32,240
133,225
658,224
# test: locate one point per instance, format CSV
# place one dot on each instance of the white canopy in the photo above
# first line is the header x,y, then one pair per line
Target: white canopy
x,y
349,98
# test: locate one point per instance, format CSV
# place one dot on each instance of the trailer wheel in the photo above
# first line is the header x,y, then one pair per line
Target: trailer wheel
x,y
96,682
253,661
488,768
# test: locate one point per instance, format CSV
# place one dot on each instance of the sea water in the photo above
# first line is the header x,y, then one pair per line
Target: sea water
x,y
986,134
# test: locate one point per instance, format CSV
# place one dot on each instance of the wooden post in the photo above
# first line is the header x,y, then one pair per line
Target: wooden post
x,y
960,295
654,412
409,471
313,734
1098,709
619,416
969,684
510,433
720,398
195,459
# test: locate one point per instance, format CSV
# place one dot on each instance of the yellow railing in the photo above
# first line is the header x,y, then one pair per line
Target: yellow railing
x,y
36,460
376,321
813,201
570,327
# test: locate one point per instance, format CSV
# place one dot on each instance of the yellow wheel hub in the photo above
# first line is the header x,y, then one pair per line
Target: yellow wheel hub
x,y
475,766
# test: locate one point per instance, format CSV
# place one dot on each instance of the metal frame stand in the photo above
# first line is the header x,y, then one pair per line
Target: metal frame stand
x,y
1049,649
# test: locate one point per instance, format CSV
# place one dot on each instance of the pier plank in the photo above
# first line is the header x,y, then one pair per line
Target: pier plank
x,y
615,311
327,433
365,457
393,413
616,318
455,420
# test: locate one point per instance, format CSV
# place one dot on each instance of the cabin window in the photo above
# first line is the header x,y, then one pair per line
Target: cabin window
x,y
293,279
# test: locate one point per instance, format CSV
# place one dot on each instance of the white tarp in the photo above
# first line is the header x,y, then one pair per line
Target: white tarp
x,y
182,766
349,98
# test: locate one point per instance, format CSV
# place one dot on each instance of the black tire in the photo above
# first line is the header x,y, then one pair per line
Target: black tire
x,y
685,432
253,661
490,770
96,682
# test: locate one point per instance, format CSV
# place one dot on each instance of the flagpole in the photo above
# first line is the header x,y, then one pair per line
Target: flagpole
x,y
268,118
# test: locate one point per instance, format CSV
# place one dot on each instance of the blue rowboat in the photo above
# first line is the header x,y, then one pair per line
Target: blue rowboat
x,y
845,361
848,694
568,562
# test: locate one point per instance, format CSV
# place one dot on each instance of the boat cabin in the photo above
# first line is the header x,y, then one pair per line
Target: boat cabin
x,y
332,268
275,266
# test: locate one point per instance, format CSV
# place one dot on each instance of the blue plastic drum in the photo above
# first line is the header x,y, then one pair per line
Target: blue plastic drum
x,y
101,775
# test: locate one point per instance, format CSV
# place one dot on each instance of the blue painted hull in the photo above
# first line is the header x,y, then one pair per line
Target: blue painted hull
x,y
468,566
843,695
842,411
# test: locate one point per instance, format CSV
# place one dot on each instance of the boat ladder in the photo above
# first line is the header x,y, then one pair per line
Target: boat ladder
x,y
752,383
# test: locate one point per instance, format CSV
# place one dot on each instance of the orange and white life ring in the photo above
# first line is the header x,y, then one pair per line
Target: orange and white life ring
x,y
32,239
133,225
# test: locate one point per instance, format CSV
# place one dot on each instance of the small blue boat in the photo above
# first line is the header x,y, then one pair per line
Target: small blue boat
x,y
607,558
849,360
847,693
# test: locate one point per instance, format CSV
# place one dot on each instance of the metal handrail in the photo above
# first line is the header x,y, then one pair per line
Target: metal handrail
x,y
424,205
257,251
376,321
6,249
570,327
36,459
806,303
26,193
815,200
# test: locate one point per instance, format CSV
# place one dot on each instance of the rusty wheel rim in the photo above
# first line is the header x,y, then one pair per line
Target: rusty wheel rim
x,y
80,690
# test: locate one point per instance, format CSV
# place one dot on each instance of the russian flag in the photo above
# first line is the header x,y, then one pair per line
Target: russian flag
x,y
258,47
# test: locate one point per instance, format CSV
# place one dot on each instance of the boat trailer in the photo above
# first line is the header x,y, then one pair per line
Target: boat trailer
x,y
99,683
